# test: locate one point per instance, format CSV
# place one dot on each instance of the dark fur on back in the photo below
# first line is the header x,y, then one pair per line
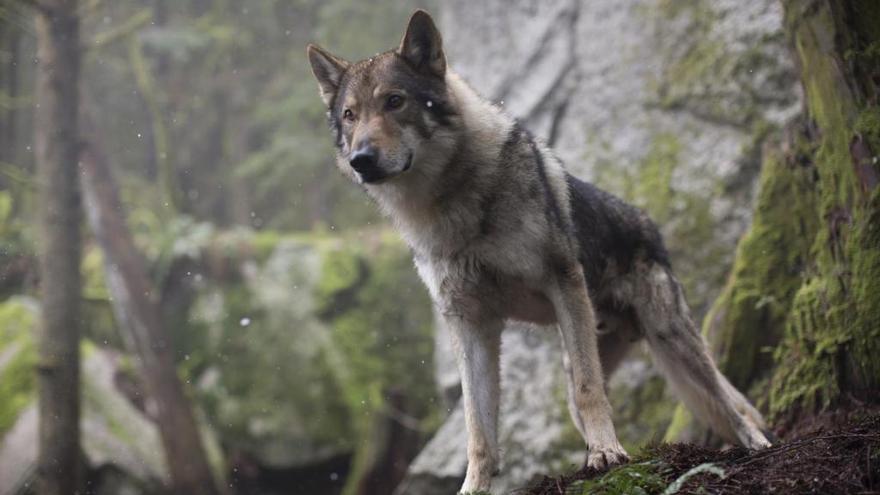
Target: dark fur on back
x,y
609,229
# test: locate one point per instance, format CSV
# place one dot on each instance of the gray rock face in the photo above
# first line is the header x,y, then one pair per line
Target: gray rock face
x,y
624,90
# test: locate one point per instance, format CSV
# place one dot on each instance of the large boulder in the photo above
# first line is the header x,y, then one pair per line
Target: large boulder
x,y
308,346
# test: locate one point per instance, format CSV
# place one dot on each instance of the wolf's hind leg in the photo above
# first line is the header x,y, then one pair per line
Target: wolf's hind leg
x,y
681,354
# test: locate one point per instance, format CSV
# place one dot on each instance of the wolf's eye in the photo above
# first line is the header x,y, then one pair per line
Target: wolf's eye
x,y
348,115
394,102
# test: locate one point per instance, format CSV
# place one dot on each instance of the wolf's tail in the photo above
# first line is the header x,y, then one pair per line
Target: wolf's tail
x,y
681,354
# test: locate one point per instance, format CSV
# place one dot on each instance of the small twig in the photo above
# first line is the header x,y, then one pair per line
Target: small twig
x,y
127,28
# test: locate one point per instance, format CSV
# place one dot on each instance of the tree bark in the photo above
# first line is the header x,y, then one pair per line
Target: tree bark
x,y
806,280
57,149
10,38
828,352
135,303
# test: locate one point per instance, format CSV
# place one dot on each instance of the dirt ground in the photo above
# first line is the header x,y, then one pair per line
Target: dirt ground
x,y
835,453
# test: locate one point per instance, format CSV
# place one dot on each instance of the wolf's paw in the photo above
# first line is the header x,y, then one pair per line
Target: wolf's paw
x,y
753,438
607,457
759,442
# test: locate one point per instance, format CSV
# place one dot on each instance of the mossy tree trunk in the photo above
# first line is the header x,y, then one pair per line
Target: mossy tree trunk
x,y
831,338
56,136
800,315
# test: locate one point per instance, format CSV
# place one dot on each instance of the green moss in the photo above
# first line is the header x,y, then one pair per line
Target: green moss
x,y
18,357
805,274
862,367
868,126
810,378
641,412
342,275
682,419
381,322
631,479
17,382
684,215
705,77
99,322
831,335
770,263
264,242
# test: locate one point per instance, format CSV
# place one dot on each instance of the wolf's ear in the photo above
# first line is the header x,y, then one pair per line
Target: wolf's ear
x,y
422,45
328,71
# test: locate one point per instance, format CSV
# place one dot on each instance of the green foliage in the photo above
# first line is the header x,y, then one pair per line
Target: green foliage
x,y
381,324
18,359
99,323
637,478
15,245
267,378
641,411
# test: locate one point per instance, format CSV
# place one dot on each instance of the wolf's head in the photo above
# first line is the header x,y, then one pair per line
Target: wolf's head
x,y
392,112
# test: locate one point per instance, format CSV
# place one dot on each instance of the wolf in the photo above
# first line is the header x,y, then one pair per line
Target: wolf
x,y
499,231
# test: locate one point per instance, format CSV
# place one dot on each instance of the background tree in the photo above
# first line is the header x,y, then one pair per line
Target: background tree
x,y
56,135
136,305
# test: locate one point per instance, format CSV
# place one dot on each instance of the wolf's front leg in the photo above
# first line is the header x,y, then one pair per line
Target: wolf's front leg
x,y
577,325
478,346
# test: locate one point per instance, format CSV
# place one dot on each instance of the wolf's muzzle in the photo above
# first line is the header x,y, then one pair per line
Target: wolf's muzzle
x,y
364,160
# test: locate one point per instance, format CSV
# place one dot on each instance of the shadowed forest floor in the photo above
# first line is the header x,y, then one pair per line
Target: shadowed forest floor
x,y
830,454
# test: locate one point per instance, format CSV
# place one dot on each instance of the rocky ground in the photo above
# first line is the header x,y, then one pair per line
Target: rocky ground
x,y
831,454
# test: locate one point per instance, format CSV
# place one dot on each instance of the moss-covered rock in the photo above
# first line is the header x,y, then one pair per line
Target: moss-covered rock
x,y
336,323
264,371
381,322
18,357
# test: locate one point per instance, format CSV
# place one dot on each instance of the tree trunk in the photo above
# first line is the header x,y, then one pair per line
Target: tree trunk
x,y
831,340
806,281
135,302
57,149
10,37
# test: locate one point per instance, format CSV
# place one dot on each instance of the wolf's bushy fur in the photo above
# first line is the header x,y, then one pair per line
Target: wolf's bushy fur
x,y
500,231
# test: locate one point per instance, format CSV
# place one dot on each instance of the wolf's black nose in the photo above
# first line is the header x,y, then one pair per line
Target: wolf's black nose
x,y
364,159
